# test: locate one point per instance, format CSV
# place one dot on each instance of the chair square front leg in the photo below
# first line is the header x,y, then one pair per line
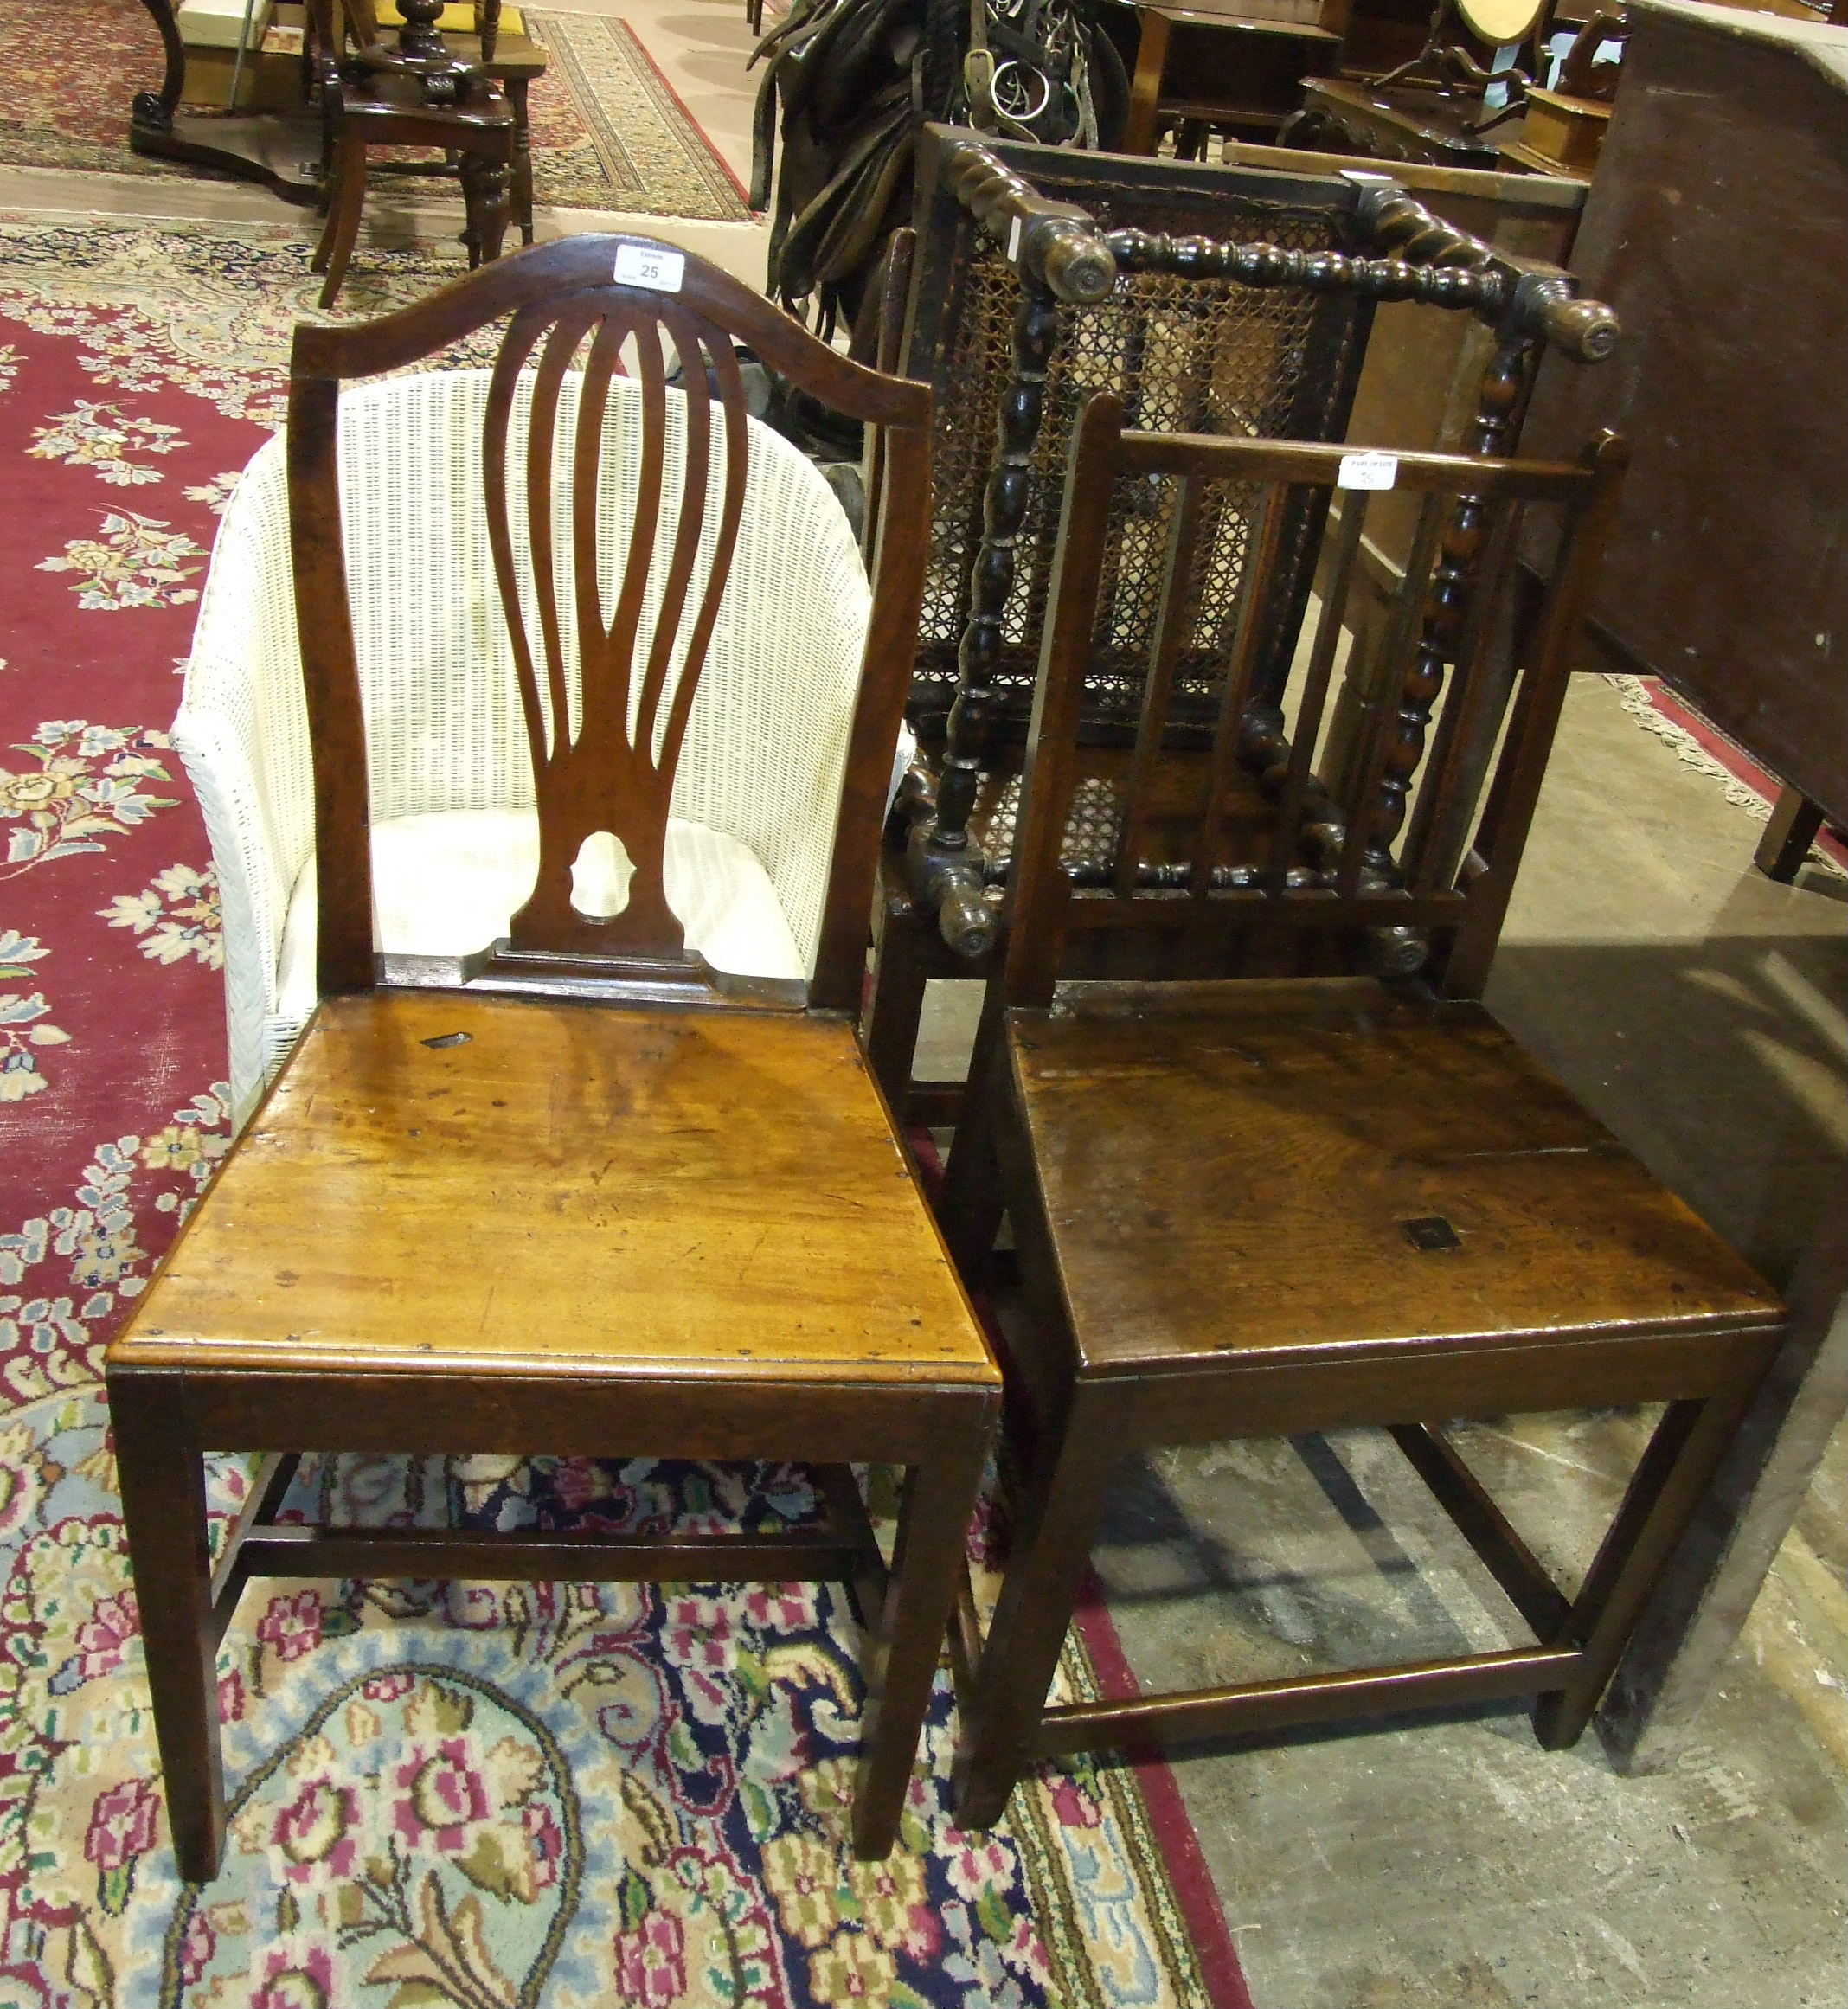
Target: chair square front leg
x,y
161,1471
1055,1516
903,1653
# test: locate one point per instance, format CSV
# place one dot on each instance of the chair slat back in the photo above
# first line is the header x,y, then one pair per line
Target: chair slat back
x,y
1245,858
607,705
611,615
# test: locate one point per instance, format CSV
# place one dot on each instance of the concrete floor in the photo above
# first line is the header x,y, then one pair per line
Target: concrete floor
x,y
1699,1011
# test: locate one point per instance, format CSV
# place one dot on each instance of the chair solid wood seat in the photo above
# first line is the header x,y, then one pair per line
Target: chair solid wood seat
x,y
1327,1169
576,1194
686,1167
1287,1201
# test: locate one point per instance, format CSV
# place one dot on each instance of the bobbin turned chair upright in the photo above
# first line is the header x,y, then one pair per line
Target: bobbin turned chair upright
x,y
1260,1197
571,1190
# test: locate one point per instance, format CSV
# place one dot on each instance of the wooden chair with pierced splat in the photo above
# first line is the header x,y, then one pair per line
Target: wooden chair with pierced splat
x,y
581,1179
1264,1198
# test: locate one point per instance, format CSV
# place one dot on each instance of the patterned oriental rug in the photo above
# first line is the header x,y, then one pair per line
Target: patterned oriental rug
x,y
609,131
486,1796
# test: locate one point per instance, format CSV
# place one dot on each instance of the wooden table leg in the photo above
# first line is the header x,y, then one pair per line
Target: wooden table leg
x,y
1144,128
1795,823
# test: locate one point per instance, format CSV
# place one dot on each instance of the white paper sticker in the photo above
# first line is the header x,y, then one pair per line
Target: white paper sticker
x,y
1013,242
1368,471
650,266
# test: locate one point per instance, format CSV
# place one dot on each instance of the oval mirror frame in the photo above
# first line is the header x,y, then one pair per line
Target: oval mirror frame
x,y
1499,22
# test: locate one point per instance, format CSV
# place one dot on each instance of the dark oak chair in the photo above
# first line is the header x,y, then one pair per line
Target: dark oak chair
x,y
422,93
1253,1196
575,1191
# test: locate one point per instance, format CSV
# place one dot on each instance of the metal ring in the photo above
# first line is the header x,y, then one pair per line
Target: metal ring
x,y
1015,108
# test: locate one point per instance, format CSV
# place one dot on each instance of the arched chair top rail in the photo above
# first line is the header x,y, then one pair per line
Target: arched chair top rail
x,y
570,265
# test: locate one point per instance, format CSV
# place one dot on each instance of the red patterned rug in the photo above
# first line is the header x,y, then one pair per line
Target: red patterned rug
x,y
488,1796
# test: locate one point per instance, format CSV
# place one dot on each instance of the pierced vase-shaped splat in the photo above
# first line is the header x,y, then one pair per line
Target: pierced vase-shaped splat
x,y
633,489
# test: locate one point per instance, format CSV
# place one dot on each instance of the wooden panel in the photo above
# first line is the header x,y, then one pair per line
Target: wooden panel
x,y
568,1190
1715,228
1252,1172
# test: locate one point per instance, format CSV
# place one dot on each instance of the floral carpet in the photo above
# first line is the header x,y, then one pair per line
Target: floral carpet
x,y
488,1796
608,132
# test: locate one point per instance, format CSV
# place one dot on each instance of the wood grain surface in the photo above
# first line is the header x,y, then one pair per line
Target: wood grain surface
x,y
1246,1161
569,1190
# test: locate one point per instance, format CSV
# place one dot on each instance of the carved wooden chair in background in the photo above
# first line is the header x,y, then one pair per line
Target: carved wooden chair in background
x,y
1299,1200
482,34
1038,278
421,92
572,1190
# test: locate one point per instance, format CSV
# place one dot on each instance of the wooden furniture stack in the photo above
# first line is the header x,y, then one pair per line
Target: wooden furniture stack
x,y
484,34
420,94
1111,286
282,133
1716,226
1214,66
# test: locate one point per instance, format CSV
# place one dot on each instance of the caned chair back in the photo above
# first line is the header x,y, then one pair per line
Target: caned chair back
x,y
1187,350
641,535
1243,859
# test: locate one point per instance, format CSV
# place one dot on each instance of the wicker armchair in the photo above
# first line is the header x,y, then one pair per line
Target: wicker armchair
x,y
455,833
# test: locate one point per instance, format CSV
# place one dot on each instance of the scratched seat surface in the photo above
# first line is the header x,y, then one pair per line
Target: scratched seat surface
x,y
568,1189
1332,1167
